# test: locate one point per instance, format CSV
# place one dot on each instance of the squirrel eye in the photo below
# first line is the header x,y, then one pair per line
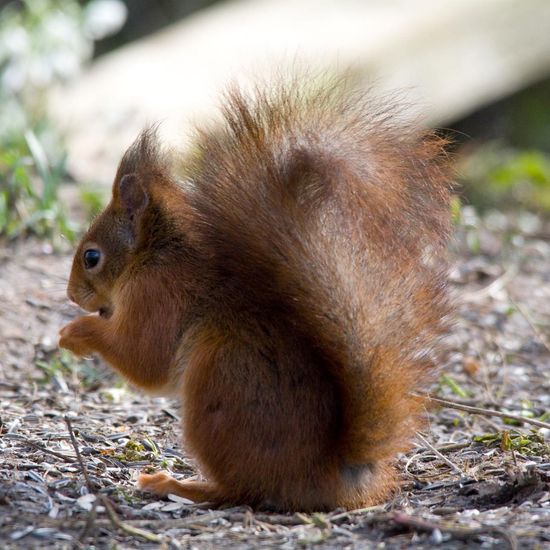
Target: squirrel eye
x,y
91,258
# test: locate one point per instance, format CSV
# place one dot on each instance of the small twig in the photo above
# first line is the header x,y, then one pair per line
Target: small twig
x,y
268,518
355,512
453,466
78,455
123,526
488,412
453,447
171,414
498,284
44,449
115,520
90,520
268,527
458,532
412,458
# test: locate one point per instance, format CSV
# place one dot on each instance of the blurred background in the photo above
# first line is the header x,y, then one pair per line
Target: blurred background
x,y
78,79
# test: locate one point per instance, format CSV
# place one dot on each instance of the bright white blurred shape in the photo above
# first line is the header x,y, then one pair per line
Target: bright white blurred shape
x,y
104,17
14,77
86,502
65,63
15,41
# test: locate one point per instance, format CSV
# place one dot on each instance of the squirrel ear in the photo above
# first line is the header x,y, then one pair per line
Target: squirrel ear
x,y
132,196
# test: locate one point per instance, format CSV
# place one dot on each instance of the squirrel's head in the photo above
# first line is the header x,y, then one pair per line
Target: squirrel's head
x,y
118,232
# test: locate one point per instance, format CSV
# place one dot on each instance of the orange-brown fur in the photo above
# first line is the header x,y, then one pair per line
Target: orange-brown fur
x,y
289,286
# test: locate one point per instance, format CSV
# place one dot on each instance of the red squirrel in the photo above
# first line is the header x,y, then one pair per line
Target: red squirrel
x,y
287,282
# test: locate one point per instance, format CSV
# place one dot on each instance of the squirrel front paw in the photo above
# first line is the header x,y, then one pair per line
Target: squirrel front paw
x,y
79,336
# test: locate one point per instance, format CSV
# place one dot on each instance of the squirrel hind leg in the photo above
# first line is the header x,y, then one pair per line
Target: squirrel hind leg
x,y
162,484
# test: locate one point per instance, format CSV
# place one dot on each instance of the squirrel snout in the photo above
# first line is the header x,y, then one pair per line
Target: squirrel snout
x,y
70,295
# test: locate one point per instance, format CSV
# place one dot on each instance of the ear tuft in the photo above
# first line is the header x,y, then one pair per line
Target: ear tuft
x,y
144,156
132,195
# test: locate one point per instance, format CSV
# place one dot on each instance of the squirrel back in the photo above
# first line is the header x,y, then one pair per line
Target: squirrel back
x,y
306,233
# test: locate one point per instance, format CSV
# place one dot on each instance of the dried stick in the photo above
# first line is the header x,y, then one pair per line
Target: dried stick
x,y
491,289
129,529
453,466
90,521
78,455
453,447
488,412
357,511
50,452
115,520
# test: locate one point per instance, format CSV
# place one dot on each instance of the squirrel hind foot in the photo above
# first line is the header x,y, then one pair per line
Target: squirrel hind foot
x,y
162,484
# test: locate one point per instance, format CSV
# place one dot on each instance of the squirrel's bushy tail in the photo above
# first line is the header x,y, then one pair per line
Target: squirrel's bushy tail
x,y
334,213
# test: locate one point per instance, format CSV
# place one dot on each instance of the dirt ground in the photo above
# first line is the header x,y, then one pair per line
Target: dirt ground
x,y
473,480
